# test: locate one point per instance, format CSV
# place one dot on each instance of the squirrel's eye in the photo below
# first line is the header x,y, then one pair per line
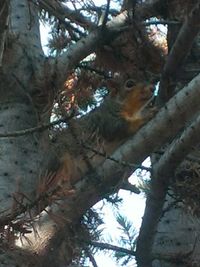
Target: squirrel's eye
x,y
129,84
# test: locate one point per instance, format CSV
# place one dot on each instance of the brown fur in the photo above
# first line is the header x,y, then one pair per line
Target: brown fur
x,y
103,129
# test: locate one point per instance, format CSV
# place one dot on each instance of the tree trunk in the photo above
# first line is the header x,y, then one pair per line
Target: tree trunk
x,y
177,240
22,161
34,163
23,157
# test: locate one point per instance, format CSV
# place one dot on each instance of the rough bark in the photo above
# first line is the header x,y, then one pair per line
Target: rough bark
x,y
163,170
110,172
169,241
28,85
179,52
20,163
27,94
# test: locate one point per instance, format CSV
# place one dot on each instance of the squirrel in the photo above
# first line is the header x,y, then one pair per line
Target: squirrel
x,y
121,114
127,108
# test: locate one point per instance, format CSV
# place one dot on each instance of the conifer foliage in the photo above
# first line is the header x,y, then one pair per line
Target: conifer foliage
x,y
78,119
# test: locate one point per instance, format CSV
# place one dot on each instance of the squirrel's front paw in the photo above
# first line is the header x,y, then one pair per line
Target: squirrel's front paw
x,y
150,113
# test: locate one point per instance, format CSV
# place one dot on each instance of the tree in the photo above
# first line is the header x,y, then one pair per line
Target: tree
x,y
58,160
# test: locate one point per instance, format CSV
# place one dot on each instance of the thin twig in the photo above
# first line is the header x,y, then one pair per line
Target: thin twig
x,y
4,16
105,14
99,72
91,257
123,163
39,128
161,22
112,247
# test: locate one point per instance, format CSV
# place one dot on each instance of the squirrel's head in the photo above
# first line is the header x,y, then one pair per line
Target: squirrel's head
x,y
135,96
140,90
135,100
131,95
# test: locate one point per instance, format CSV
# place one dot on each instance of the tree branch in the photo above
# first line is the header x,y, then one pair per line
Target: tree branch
x,y
92,188
161,22
4,16
179,51
105,15
122,163
86,66
61,11
91,257
39,128
76,52
163,172
125,185
112,247
183,105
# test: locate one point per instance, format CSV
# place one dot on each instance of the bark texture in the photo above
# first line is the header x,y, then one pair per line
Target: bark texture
x,y
51,176
170,242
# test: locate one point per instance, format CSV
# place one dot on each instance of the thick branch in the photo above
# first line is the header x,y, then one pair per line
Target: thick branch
x,y
68,60
173,116
106,156
179,51
162,174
